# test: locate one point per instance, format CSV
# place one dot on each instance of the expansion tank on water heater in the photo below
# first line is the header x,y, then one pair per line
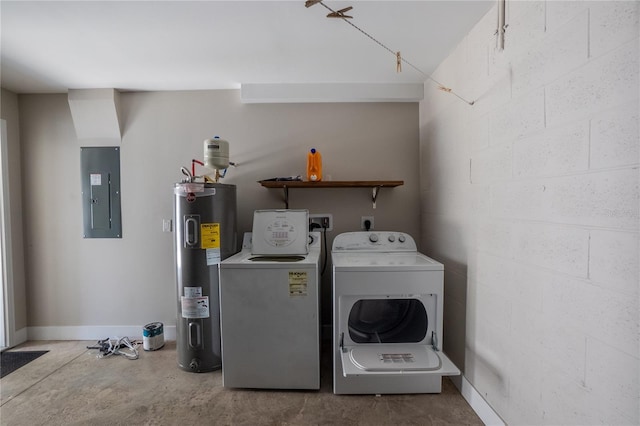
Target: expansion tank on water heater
x,y
206,233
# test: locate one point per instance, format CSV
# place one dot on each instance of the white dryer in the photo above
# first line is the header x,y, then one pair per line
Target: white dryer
x,y
270,309
387,316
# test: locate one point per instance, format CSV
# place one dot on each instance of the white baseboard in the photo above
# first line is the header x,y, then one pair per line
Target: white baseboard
x,y
96,332
477,402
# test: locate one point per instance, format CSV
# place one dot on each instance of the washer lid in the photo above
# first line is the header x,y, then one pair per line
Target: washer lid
x,y
243,260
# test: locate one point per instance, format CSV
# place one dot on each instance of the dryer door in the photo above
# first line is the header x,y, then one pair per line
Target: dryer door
x,y
377,359
390,335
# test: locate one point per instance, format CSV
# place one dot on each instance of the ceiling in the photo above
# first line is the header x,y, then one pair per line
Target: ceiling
x,y
53,46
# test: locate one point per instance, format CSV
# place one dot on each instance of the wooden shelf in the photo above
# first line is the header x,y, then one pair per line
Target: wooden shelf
x,y
375,185
331,183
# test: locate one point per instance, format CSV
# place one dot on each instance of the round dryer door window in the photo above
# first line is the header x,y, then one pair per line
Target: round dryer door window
x,y
388,321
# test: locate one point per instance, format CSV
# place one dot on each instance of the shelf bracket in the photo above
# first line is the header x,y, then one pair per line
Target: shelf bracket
x,y
374,194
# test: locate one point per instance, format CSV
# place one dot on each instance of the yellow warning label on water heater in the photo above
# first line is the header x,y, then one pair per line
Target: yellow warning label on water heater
x,y
210,235
298,283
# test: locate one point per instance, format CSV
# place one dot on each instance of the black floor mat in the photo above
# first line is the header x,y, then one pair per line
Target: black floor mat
x,y
11,361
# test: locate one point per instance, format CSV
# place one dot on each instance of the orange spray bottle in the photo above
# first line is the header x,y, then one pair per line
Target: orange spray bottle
x,y
314,166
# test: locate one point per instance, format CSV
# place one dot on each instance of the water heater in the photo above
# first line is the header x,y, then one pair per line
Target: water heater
x,y
206,233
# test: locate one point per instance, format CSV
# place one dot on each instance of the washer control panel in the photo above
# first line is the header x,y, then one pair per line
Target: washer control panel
x,y
383,241
280,232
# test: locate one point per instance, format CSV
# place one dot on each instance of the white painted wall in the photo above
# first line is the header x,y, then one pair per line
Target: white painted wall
x,y
530,198
94,288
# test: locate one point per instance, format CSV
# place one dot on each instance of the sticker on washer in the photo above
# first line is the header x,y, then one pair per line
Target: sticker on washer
x,y
298,283
210,235
195,307
213,256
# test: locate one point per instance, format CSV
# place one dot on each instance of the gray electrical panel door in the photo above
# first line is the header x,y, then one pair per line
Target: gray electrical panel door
x,y
100,175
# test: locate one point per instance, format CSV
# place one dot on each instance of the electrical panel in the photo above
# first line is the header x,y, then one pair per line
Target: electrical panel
x,y
100,175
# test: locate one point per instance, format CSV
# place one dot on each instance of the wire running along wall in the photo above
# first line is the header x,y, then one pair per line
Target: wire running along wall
x,y
399,59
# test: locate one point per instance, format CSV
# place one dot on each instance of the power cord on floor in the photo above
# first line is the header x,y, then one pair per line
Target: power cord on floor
x,y
122,346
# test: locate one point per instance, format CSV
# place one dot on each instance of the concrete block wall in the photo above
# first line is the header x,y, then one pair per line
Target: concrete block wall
x,y
530,198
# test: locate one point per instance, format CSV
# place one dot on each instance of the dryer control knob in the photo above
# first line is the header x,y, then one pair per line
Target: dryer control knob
x,y
373,238
402,239
391,238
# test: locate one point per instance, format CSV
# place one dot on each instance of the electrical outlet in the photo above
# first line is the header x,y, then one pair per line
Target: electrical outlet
x,y
325,220
363,221
166,225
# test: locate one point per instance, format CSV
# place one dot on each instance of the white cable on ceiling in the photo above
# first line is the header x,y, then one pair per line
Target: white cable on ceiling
x,y
399,58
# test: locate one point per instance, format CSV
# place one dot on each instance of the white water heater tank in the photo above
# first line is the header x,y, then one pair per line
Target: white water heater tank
x,y
216,153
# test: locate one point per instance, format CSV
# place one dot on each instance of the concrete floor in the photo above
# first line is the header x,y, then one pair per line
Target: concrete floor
x,y
70,386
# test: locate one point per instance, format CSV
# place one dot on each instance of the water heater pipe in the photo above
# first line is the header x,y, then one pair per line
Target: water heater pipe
x,y
193,166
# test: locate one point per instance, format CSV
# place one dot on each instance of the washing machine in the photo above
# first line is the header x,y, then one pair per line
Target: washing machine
x,y
270,306
387,316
